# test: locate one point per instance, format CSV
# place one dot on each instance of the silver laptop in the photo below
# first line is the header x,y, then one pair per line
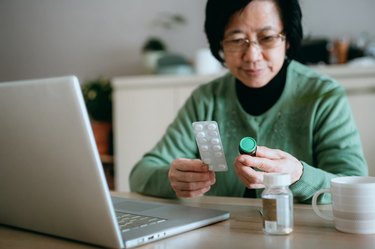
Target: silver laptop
x,y
52,180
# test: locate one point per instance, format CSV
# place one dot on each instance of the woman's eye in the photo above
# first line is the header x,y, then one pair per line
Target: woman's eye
x,y
268,38
238,41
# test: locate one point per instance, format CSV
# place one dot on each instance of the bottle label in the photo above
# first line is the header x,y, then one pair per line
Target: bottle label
x,y
270,226
270,215
270,209
277,213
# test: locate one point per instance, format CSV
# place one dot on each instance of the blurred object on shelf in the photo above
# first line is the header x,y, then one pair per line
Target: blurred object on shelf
x,y
173,64
340,50
152,50
366,42
365,61
354,52
322,51
370,49
314,51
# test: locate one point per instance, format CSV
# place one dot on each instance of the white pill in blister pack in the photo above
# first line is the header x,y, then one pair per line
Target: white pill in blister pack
x,y
209,144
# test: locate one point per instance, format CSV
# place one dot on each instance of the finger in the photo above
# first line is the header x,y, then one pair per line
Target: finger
x,y
249,176
256,186
191,186
250,183
263,164
189,194
182,176
266,152
188,165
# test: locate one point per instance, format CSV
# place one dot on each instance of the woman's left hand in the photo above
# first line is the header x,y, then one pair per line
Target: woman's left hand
x,y
266,161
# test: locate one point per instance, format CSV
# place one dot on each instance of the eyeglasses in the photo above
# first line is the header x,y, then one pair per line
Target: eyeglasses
x,y
240,45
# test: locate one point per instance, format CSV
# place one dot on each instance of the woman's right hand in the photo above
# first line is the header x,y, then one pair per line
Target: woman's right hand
x,y
190,177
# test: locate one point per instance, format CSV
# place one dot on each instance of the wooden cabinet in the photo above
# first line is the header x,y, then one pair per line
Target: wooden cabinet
x,y
145,105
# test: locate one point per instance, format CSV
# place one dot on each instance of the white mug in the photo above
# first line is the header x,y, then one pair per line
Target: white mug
x,y
353,204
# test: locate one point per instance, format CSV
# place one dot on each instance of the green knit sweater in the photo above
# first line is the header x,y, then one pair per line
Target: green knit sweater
x,y
312,120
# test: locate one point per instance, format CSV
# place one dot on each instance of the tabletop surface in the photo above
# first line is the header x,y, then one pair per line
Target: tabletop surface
x,y
242,230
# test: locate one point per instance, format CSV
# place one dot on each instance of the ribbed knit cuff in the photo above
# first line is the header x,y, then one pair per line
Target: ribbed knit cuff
x,y
310,182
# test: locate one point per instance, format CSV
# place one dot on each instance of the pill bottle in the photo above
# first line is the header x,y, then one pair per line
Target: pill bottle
x,y
277,200
248,146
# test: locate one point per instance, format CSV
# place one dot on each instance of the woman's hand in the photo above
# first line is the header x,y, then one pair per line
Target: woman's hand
x,y
190,177
266,161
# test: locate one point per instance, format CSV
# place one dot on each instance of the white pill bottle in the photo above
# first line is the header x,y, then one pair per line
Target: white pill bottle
x,y
277,200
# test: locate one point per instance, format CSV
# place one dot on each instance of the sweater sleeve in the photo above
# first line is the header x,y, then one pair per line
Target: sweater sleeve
x,y
337,149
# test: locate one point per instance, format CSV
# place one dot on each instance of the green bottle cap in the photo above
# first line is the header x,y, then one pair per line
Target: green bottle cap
x,y
248,145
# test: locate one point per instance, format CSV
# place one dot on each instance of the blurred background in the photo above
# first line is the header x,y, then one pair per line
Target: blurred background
x,y
108,38
135,40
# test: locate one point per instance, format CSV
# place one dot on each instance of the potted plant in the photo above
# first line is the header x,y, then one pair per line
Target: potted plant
x,y
153,49
153,44
98,99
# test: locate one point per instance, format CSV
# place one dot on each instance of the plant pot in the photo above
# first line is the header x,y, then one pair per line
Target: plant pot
x,y
102,133
150,59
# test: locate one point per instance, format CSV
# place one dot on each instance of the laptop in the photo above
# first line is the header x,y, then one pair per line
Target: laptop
x,y
52,179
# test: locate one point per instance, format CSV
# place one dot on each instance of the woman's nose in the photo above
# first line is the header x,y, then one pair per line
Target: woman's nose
x,y
252,53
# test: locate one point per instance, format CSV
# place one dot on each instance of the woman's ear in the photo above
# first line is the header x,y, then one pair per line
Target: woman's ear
x,y
221,54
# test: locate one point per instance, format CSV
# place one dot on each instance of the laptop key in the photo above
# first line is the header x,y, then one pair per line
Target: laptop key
x,y
129,221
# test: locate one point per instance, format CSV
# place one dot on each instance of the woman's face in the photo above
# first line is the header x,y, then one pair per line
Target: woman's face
x,y
256,65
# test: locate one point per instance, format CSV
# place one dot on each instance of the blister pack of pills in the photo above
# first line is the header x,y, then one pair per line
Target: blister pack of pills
x,y
208,140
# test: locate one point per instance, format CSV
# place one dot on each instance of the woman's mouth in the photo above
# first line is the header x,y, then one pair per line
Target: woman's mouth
x,y
253,71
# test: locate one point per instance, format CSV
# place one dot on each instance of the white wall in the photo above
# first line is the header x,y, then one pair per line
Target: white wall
x,y
40,38
338,18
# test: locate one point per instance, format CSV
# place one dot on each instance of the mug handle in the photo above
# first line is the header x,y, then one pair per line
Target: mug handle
x,y
315,206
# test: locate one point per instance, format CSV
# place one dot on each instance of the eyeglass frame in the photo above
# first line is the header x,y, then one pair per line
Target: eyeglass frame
x,y
281,35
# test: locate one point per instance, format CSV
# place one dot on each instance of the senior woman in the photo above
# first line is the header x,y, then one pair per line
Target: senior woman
x,y
301,120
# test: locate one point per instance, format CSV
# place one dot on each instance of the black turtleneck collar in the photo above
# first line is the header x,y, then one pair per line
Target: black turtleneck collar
x,y
257,101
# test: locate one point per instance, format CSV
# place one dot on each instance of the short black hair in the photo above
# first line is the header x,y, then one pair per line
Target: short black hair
x,y
218,13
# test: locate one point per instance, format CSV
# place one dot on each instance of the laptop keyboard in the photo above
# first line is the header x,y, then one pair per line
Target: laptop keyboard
x,y
129,221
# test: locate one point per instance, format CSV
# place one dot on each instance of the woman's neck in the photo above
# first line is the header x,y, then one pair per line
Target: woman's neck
x,y
256,101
